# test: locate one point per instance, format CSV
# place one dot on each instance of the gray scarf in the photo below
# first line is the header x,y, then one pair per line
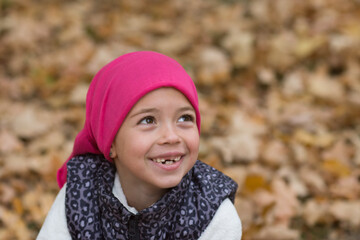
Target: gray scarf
x,y
93,212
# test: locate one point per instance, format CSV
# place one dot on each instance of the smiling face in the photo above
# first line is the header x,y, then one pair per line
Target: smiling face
x,y
158,142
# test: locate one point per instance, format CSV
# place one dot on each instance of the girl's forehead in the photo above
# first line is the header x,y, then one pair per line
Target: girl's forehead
x,y
163,96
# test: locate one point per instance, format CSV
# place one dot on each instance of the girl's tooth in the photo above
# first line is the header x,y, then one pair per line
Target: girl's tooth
x,y
166,161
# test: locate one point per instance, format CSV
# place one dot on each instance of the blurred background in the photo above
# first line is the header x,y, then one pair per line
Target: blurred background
x,y
279,89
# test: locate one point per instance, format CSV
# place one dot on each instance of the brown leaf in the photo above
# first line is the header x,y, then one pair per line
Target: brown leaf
x,y
237,173
346,187
15,224
254,182
275,153
240,46
341,151
9,143
346,211
321,86
315,211
277,232
293,84
214,67
17,205
7,193
246,210
263,198
293,180
32,122
52,140
308,45
286,205
320,139
313,179
336,168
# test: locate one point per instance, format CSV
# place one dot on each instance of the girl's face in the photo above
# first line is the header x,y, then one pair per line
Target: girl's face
x,y
158,142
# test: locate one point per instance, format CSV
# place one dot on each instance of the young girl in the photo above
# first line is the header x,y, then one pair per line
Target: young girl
x,y
133,172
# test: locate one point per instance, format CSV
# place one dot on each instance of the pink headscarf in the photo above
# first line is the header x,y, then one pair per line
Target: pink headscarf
x,y
113,92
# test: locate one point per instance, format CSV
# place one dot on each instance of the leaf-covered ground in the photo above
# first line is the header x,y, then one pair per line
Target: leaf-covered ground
x,y
279,86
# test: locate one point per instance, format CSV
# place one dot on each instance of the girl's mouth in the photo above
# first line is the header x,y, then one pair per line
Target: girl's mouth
x,y
167,161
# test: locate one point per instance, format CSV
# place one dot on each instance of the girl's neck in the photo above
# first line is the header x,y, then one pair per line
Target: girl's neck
x,y
141,197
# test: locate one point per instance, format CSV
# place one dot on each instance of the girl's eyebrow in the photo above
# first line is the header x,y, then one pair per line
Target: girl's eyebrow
x,y
152,110
187,108
144,110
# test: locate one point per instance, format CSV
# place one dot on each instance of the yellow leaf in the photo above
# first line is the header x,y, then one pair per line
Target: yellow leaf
x,y
307,46
254,182
352,29
314,139
335,167
18,207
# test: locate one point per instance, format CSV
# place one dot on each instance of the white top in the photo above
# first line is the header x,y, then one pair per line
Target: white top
x,y
225,224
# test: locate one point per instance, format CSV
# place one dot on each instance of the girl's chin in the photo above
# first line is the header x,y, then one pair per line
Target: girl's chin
x,y
166,183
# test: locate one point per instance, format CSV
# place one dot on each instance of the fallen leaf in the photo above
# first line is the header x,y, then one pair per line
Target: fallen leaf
x,y
9,143
253,182
246,210
299,152
281,50
277,232
51,140
320,139
240,44
313,180
346,211
173,44
293,180
31,122
214,67
7,193
15,224
286,203
315,212
237,173
263,198
336,168
341,150
294,84
308,45
275,153
322,86
346,187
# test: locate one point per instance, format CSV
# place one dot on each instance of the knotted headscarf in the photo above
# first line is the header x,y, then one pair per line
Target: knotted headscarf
x,y
114,91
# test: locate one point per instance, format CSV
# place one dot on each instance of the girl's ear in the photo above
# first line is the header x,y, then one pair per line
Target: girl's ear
x,y
113,151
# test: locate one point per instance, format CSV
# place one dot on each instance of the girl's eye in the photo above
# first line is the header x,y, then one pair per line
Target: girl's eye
x,y
147,120
186,118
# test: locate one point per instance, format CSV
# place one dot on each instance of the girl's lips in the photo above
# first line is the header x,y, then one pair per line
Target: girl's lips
x,y
168,155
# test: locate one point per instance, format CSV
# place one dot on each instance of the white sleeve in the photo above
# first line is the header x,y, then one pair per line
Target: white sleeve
x,y
55,226
225,224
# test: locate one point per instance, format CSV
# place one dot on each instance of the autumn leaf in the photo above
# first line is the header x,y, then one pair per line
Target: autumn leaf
x,y
335,167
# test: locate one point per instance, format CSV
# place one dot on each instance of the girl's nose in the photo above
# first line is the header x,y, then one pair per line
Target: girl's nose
x,y
169,135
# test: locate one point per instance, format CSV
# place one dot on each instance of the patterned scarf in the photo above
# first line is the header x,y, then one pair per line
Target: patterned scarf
x,y
93,212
